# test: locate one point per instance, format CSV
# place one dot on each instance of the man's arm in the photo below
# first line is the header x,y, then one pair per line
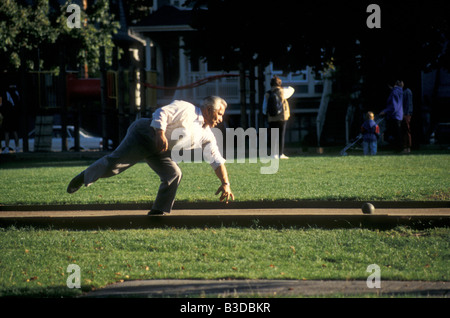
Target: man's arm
x,y
389,107
225,188
161,141
161,118
288,92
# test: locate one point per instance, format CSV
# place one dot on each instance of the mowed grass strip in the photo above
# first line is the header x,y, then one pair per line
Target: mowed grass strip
x,y
34,262
389,178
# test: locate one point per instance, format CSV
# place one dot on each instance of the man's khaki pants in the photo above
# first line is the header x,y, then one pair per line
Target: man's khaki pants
x,y
139,145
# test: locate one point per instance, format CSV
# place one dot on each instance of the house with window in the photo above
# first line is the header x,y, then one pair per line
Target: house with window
x,y
170,74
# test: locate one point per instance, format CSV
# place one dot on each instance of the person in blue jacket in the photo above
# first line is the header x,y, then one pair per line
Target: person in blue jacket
x,y
394,114
406,122
370,132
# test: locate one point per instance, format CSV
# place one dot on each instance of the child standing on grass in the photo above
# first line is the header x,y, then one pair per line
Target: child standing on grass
x,y
370,131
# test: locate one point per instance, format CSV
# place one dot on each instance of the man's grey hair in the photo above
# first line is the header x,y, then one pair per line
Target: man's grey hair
x,y
214,101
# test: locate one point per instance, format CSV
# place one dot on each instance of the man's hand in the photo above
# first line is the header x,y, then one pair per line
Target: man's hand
x,y
162,144
222,174
226,193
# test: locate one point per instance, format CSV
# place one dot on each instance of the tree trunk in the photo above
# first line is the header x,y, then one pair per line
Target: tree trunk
x,y
103,97
252,79
243,95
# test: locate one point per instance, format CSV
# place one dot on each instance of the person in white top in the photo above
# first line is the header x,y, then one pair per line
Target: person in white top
x,y
279,120
181,125
153,140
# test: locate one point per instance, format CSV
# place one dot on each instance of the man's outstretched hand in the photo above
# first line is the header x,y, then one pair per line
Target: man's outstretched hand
x,y
226,193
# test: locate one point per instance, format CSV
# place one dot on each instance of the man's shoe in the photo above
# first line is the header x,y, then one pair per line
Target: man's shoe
x,y
76,183
155,212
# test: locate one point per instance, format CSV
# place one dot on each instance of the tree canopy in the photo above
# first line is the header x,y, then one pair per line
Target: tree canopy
x,y
31,36
412,36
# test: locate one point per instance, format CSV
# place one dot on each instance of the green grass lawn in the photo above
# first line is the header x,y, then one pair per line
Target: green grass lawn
x,y
397,178
34,262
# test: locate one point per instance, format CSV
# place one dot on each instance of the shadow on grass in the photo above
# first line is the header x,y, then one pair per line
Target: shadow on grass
x,y
380,222
44,292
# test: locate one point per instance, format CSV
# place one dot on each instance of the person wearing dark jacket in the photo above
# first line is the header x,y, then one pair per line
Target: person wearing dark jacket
x,y
406,122
370,131
279,121
394,114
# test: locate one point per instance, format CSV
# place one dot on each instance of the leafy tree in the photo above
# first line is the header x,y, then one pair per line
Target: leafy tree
x,y
137,10
31,36
22,30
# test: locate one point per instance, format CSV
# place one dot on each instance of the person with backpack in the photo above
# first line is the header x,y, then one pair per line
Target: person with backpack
x,y
276,107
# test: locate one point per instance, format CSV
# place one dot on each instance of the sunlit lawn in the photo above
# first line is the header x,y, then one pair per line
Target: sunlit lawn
x,y
34,262
414,177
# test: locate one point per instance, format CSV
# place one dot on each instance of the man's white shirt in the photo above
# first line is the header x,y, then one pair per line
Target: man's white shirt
x,y
183,124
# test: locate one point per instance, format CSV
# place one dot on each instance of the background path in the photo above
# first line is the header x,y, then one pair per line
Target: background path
x,y
267,288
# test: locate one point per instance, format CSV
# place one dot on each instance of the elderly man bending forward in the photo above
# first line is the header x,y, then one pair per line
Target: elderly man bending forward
x,y
152,140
